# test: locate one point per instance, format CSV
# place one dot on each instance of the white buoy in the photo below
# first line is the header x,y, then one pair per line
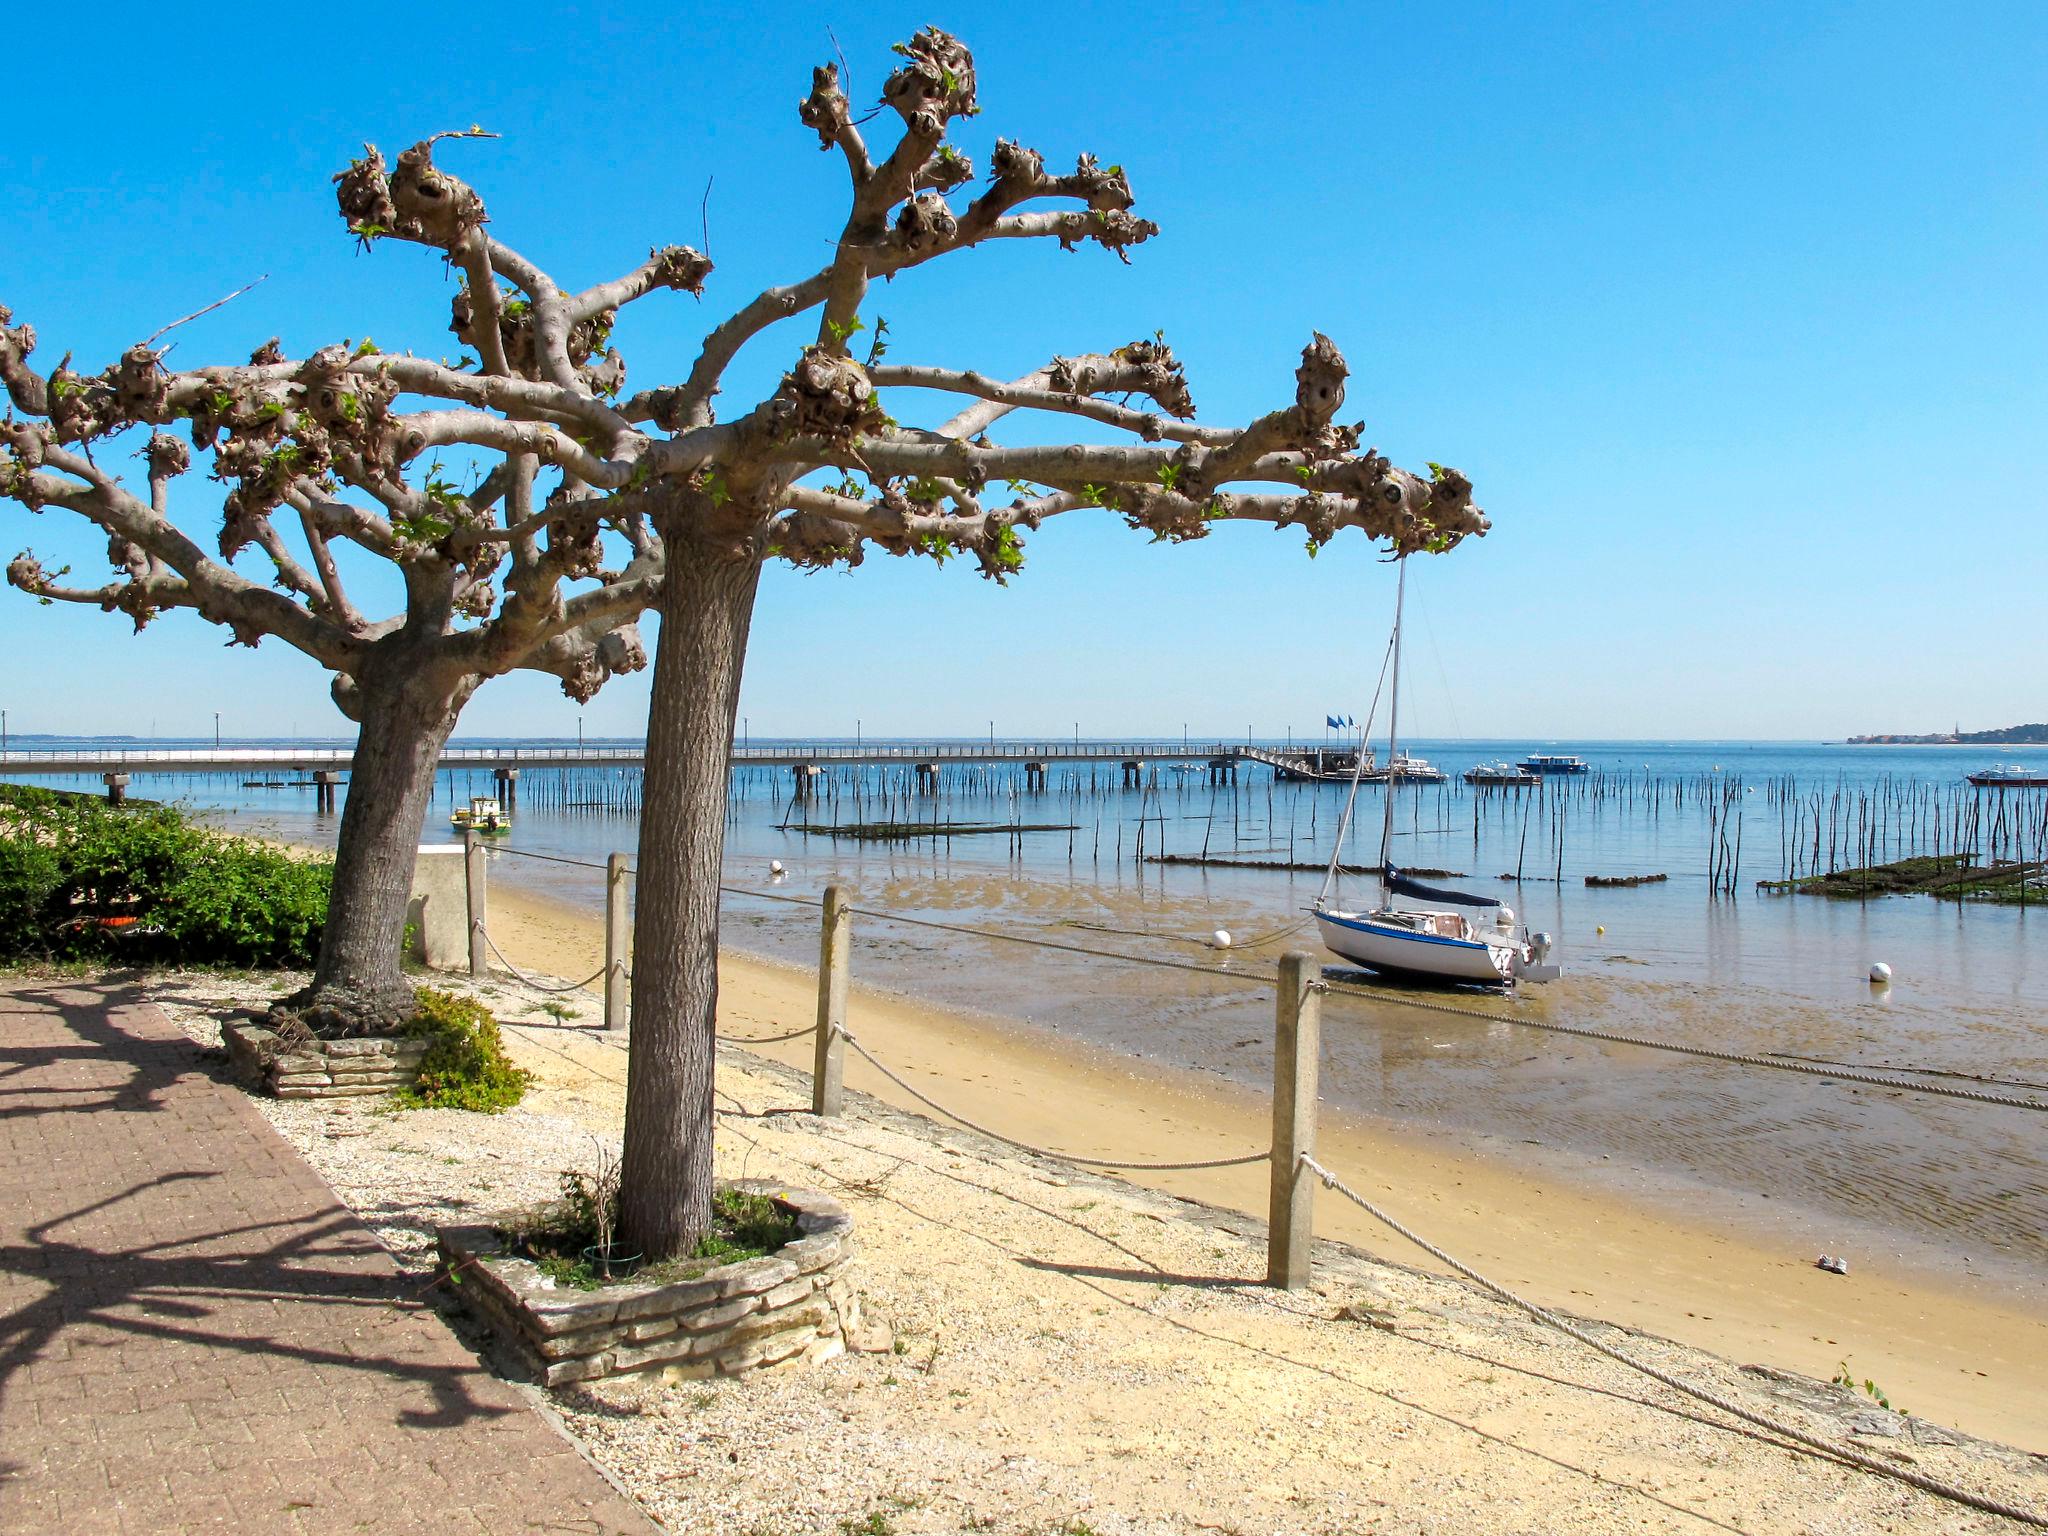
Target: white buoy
x,y
775,866
1880,973
1220,938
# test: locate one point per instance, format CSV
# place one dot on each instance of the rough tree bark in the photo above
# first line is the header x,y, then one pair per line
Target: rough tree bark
x,y
408,710
665,1176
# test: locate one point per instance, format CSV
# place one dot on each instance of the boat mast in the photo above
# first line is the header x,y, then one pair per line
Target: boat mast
x,y
1351,795
1393,734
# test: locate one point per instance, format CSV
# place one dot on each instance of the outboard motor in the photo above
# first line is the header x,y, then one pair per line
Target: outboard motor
x,y
1539,947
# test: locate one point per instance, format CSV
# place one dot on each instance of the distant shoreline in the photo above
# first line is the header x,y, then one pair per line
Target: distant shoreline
x,y
2007,736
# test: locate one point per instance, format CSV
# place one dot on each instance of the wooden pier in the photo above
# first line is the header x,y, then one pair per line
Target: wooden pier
x,y
806,761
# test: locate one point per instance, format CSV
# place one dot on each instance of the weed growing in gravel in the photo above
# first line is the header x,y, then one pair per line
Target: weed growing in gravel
x,y
873,1523
1842,1378
743,1226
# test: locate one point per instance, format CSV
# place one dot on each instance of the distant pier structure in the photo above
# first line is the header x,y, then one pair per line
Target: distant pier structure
x,y
324,767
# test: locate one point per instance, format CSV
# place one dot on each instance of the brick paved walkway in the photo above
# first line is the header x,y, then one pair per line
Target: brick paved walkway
x,y
195,1336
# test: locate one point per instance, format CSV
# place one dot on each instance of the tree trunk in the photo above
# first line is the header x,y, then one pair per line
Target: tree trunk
x,y
359,986
665,1178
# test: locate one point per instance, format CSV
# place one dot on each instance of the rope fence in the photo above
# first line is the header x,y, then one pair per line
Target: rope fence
x,y
1298,990
1764,1421
1025,1146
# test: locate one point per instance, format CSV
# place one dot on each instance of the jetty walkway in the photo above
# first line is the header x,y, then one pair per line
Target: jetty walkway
x,y
324,765
195,1335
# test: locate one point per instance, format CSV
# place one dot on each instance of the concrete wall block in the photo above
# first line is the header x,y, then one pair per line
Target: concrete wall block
x,y
438,909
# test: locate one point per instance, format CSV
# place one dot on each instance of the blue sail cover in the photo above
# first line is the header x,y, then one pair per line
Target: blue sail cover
x,y
1401,885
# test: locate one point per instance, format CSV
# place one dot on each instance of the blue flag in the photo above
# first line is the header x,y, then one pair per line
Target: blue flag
x,y
1332,721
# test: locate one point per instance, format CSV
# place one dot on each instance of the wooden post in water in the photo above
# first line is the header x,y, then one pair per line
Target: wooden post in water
x,y
1297,1058
615,934
835,956
473,888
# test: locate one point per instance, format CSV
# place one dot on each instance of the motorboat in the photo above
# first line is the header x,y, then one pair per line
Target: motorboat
x,y
1551,762
1499,771
1412,770
1430,940
484,815
2010,776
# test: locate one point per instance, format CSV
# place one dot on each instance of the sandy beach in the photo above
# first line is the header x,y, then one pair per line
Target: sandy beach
x,y
1051,1352
1971,1360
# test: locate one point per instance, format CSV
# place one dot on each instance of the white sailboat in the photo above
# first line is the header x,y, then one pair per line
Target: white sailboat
x,y
1429,940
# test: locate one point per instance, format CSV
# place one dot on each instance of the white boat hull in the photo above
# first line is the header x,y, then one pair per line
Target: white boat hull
x,y
1382,946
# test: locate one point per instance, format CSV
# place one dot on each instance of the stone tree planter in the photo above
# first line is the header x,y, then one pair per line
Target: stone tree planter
x,y
790,1306
320,1069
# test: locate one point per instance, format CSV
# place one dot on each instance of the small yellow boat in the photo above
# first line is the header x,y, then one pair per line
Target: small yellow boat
x,y
484,815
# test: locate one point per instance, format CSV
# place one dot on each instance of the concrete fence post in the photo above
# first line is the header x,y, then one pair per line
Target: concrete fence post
x,y
616,933
473,888
1297,1059
835,958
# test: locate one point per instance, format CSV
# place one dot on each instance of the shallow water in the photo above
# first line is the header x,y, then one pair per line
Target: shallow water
x,y
1957,1187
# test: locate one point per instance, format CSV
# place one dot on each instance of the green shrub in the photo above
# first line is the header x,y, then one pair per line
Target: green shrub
x,y
177,892
29,877
465,1066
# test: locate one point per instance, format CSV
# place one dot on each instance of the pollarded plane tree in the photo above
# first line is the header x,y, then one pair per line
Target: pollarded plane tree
x,y
543,562
819,473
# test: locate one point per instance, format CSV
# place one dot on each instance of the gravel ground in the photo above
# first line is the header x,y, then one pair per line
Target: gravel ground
x,y
1075,1355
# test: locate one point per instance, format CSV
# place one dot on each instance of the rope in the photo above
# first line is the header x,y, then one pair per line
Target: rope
x,y
1255,978
545,858
1775,1063
1025,1146
1843,1453
526,980
794,1034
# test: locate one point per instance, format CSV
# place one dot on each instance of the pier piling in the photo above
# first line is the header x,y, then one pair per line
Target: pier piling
x,y
835,954
616,932
473,889
1297,1061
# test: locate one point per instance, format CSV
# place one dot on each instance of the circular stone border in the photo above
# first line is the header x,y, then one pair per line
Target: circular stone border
x,y
792,1306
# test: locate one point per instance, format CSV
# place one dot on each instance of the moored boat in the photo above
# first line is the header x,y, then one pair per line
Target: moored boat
x,y
2010,776
1429,942
484,815
1552,762
1499,772
1412,770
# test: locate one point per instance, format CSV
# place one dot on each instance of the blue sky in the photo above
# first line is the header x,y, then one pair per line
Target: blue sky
x,y
1734,314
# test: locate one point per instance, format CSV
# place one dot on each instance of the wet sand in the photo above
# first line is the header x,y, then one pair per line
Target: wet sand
x,y
1954,1351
